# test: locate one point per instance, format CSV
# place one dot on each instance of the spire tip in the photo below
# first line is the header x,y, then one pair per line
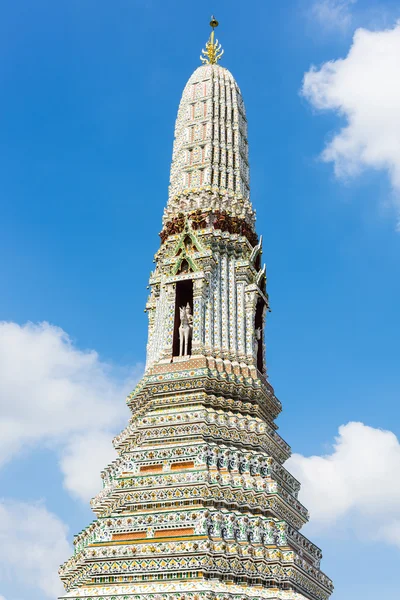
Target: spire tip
x,y
213,23
213,52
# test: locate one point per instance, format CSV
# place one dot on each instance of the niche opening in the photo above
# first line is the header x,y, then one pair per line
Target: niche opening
x,y
183,296
259,333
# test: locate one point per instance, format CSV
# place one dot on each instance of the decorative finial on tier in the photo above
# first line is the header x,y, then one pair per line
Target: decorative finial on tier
x,y
213,52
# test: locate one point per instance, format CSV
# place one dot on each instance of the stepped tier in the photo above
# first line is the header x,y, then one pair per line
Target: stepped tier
x,y
198,493
184,590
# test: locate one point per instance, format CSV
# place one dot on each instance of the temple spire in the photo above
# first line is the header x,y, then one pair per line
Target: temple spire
x,y
198,504
213,52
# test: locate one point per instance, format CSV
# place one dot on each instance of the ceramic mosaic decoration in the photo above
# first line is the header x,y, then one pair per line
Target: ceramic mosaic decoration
x,y
198,505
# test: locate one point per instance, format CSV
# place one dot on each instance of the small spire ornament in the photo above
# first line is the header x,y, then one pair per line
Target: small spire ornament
x,y
213,52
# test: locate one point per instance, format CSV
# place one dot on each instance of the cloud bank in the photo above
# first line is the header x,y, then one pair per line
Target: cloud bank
x,y
356,485
33,543
364,90
53,394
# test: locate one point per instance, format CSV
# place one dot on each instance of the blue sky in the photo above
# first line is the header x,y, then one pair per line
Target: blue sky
x,y
90,91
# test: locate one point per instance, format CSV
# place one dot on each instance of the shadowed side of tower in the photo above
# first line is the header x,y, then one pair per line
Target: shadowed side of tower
x,y
199,505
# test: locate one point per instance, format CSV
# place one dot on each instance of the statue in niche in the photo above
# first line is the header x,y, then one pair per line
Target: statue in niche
x,y
185,329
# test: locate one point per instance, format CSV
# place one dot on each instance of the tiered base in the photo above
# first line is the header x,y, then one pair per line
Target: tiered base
x,y
190,590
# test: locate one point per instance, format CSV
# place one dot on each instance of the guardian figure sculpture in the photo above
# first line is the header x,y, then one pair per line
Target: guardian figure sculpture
x,y
185,329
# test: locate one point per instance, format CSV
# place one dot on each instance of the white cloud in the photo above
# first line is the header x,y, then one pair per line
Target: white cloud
x,y
53,393
83,460
355,485
33,543
364,89
333,14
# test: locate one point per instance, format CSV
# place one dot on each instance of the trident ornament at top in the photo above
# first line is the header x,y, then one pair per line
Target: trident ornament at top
x,y
213,51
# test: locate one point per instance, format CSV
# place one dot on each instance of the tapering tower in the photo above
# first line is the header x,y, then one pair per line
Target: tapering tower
x,y
199,505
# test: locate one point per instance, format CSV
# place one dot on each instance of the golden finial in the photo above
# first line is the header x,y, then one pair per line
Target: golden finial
x,y
213,51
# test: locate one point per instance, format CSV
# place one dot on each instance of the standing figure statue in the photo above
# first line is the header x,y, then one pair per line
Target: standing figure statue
x,y
185,329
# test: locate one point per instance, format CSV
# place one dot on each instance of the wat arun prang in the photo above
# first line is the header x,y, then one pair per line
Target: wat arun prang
x,y
199,505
